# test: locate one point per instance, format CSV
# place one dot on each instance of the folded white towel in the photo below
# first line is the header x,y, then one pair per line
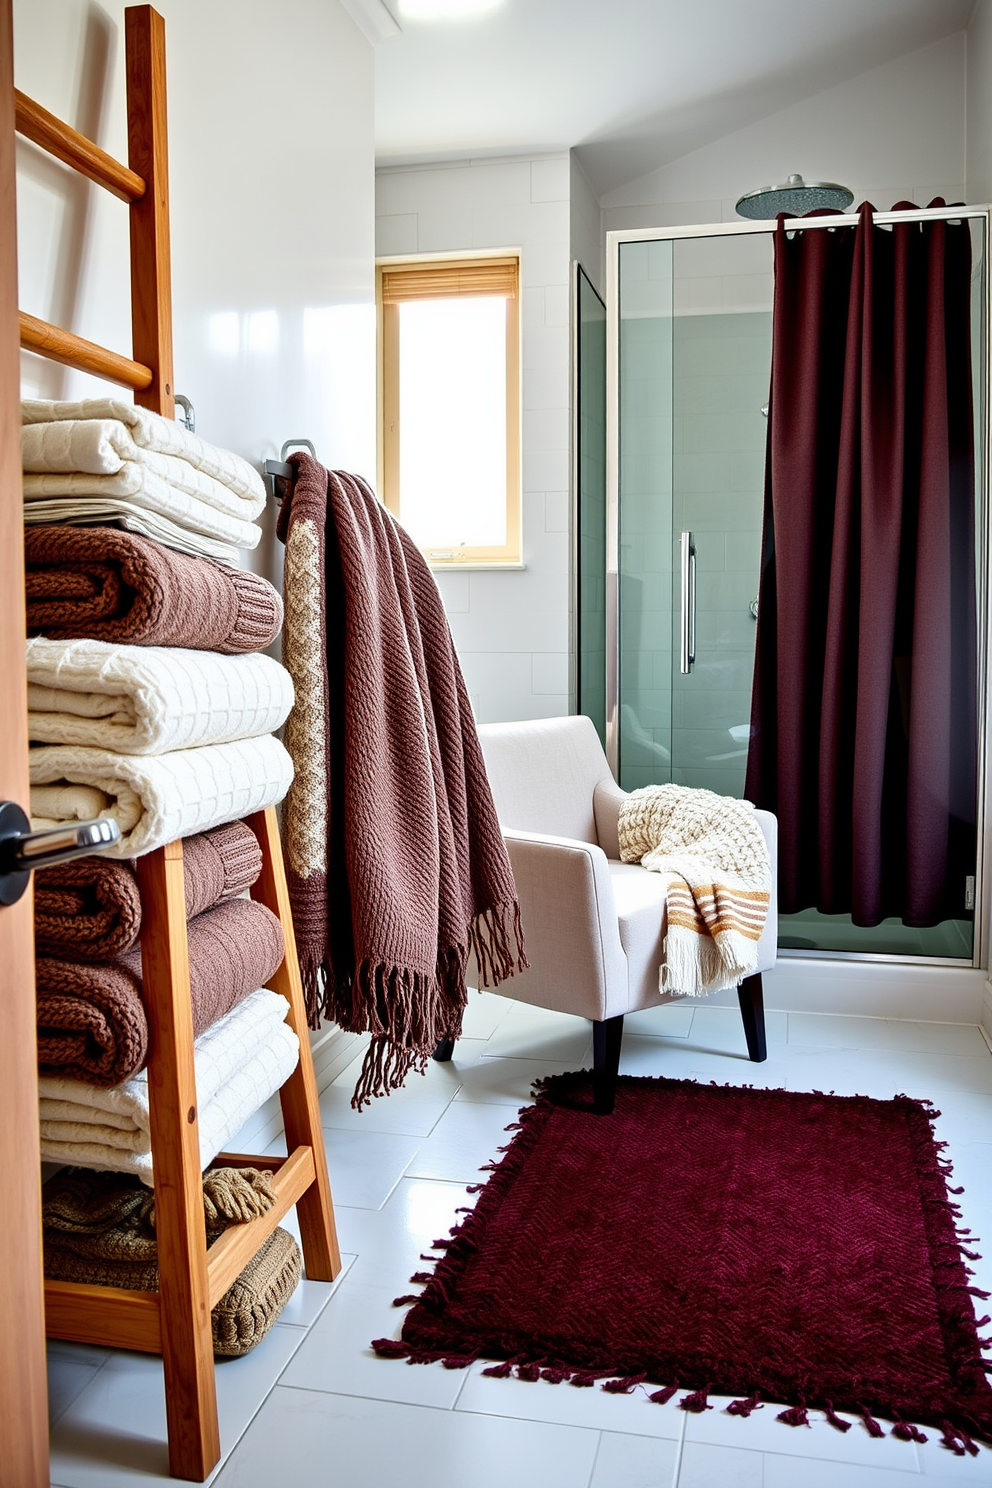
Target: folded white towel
x,y
150,699
104,511
156,798
149,431
152,492
240,1061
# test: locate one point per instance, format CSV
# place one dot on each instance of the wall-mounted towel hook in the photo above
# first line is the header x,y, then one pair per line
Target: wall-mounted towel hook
x,y
188,419
279,467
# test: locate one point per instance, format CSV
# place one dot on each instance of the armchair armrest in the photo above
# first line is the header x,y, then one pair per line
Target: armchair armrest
x,y
569,918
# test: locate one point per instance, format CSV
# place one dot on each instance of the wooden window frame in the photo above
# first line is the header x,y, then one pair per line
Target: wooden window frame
x,y
436,278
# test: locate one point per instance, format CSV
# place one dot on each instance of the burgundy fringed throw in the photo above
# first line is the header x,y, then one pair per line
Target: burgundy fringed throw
x,y
395,859
772,1245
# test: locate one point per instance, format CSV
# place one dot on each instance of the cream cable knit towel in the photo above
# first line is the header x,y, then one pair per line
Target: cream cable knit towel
x,y
156,798
150,699
720,879
151,432
240,1061
93,511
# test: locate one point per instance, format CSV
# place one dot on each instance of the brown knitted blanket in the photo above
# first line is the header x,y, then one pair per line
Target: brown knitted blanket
x,y
91,910
91,1019
111,585
396,862
99,1228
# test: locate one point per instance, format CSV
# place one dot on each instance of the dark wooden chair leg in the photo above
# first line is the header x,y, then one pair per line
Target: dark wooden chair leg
x,y
607,1035
753,1014
444,1051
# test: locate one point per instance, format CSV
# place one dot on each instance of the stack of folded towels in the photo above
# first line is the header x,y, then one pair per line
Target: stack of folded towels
x,y
149,702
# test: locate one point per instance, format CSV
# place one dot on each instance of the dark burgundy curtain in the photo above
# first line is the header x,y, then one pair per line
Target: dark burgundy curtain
x,y
863,738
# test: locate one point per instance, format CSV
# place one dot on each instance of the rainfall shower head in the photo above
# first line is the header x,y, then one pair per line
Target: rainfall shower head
x,y
795,197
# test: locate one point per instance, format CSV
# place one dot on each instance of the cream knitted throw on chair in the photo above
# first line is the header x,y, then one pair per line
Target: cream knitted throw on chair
x,y
719,886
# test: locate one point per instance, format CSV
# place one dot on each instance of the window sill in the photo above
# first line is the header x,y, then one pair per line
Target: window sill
x,y
437,566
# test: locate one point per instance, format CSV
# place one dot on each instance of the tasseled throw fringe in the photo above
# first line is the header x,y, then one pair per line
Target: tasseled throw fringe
x,y
497,941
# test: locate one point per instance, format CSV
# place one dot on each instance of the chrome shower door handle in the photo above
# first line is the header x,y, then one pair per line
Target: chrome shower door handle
x,y
688,605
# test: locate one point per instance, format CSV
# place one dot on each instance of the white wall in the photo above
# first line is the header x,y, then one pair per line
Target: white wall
x,y
272,185
510,627
586,227
978,118
895,132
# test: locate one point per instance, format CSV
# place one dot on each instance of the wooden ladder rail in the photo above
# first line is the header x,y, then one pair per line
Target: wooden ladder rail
x,y
175,1321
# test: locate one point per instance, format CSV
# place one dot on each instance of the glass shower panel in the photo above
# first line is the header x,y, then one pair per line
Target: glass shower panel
x,y
645,534
722,331
590,467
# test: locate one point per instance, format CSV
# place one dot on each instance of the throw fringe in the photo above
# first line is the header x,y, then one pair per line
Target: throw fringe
x,y
496,938
835,1420
796,1415
871,1425
906,1431
662,1397
696,1402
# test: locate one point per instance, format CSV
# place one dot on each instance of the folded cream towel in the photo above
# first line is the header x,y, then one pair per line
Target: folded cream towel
x,y
151,492
156,798
104,511
240,1061
150,699
148,431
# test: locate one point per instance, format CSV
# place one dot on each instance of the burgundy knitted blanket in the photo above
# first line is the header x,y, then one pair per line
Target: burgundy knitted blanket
x,y
396,863
91,1019
90,910
109,585
779,1246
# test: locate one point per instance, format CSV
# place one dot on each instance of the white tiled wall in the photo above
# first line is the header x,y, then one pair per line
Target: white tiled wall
x,y
510,626
272,216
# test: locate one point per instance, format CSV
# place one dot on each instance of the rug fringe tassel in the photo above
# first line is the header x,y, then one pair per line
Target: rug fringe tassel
x,y
871,1425
906,1431
662,1397
796,1415
625,1385
745,1407
835,1420
958,1441
696,1402
390,1348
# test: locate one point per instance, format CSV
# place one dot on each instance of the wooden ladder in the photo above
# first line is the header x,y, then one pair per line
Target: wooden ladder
x,y
175,1321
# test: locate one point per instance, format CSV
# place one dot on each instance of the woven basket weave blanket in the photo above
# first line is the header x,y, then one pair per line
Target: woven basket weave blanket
x,y
156,798
715,857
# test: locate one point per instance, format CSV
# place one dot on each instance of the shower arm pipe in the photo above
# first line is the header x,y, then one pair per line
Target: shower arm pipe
x,y
983,453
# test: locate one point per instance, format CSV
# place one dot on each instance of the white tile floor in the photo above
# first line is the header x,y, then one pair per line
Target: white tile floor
x,y
313,1406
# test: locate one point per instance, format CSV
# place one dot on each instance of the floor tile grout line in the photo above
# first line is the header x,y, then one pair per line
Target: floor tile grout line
x,y
679,1448
595,1460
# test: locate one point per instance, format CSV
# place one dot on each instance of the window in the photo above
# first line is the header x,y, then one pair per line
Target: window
x,y
450,406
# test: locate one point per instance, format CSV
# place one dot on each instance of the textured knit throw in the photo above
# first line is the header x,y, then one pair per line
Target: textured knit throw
x,y
100,1229
720,881
90,910
396,862
116,586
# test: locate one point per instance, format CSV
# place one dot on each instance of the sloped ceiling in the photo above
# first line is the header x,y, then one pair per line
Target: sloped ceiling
x,y
632,84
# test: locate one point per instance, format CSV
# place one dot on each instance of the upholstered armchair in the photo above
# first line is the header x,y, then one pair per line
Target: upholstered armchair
x,y
594,927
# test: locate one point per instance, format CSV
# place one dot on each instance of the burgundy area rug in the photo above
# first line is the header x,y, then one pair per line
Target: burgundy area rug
x,y
778,1246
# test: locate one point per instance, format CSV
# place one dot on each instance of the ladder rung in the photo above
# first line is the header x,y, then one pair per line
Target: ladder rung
x,y
73,148
110,1316
86,356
